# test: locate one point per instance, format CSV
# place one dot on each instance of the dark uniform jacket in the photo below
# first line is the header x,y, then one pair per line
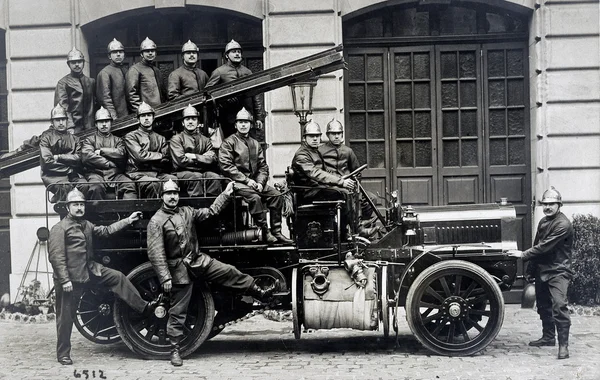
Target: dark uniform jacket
x,y
172,235
145,150
309,169
227,73
339,160
552,247
110,89
185,81
63,144
242,159
70,248
186,142
111,159
144,83
76,95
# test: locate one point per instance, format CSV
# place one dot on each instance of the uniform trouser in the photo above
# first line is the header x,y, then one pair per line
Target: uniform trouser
x,y
551,298
150,183
200,184
125,190
335,194
215,272
60,190
66,303
260,203
366,210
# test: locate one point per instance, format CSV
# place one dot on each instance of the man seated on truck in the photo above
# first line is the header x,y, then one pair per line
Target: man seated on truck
x,y
171,236
309,171
148,155
103,156
194,159
60,160
70,251
241,158
341,160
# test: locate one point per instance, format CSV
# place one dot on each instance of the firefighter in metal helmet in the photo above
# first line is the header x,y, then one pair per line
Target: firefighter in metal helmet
x,y
231,70
171,236
110,82
340,159
194,159
241,158
143,82
148,154
60,159
550,266
189,78
75,93
103,156
70,252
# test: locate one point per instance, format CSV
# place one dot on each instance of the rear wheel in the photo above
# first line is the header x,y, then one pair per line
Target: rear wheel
x,y
455,308
94,316
147,336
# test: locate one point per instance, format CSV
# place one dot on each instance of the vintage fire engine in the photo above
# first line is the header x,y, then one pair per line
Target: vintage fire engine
x,y
446,266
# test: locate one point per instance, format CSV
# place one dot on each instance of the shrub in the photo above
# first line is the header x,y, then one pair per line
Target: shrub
x,y
585,286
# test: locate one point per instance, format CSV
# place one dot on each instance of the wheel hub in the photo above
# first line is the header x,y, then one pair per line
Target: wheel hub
x,y
104,309
455,307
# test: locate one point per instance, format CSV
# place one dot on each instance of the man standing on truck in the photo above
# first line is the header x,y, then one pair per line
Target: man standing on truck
x,y
550,266
110,82
171,237
144,81
70,251
188,78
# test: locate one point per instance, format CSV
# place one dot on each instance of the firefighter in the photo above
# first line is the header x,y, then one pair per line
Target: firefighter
x,y
104,156
143,81
60,160
148,155
188,78
194,159
341,160
231,70
241,158
75,93
171,236
550,267
70,251
110,82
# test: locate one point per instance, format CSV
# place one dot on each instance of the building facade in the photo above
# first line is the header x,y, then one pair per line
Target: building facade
x,y
449,102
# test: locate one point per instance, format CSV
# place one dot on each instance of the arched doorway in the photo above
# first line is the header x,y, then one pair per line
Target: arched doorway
x,y
437,103
170,29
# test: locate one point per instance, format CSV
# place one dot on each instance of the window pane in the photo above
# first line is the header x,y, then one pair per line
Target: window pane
x,y
516,151
496,63
375,67
376,126
448,63
356,66
376,155
496,93
467,64
410,22
451,153
450,123
404,155
404,125
421,65
515,62
422,95
497,152
360,149
423,153
497,123
422,124
468,123
449,94
357,97
515,92
458,20
516,122
469,153
468,94
403,95
402,66
357,126
375,96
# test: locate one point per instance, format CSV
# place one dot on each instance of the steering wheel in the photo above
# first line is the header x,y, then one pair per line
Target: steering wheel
x,y
355,172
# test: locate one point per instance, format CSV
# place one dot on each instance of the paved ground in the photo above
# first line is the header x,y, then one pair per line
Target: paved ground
x,y
262,349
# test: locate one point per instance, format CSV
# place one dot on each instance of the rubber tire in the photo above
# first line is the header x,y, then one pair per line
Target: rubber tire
x,y
494,300
201,308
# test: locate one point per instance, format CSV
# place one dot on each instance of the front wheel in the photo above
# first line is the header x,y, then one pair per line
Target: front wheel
x,y
455,308
147,336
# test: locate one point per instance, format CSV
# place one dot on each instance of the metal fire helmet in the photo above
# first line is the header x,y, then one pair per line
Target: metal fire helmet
x,y
190,111
189,46
115,45
147,44
145,108
58,112
75,196
551,196
334,126
312,128
244,115
233,44
170,185
75,55
103,114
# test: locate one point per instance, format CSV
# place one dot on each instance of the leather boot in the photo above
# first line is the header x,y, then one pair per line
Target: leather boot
x,y
547,338
563,342
262,294
176,359
261,222
276,228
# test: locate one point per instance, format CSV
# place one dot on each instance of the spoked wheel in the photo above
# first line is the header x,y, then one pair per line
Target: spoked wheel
x,y
384,303
94,316
148,336
455,308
